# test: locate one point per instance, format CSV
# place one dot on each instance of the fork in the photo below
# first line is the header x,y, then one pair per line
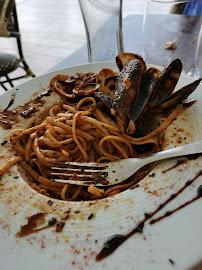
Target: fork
x,y
106,174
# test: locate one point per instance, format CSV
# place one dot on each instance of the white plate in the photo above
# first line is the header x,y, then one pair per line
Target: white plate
x,y
177,237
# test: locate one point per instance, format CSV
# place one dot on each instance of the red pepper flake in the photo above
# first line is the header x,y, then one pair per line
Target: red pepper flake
x,y
66,217
179,141
59,226
76,176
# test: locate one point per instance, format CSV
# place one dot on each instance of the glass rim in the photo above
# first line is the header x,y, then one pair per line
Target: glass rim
x,y
168,1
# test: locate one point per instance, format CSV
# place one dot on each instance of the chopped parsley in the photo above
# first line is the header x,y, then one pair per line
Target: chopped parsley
x,y
171,261
90,216
106,245
147,214
138,229
52,221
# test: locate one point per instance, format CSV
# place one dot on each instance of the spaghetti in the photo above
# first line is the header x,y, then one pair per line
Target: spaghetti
x,y
79,132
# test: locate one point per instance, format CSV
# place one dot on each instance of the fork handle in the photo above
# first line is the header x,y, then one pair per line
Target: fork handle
x,y
192,148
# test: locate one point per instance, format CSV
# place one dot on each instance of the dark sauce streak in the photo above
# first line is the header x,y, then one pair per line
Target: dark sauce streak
x,y
33,106
193,156
31,226
169,213
5,124
178,163
11,101
8,118
115,241
38,220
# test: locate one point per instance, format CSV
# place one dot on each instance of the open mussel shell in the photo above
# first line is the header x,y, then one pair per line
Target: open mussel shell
x,y
108,101
124,58
146,86
166,82
154,71
110,86
85,89
127,92
107,79
146,123
63,86
176,98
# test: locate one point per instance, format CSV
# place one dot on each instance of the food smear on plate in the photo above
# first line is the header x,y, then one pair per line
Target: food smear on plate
x,y
98,118
10,117
35,223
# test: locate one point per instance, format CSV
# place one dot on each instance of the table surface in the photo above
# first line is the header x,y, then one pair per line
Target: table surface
x,y
186,31
132,43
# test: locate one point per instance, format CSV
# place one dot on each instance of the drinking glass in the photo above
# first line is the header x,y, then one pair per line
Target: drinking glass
x,y
172,29
103,25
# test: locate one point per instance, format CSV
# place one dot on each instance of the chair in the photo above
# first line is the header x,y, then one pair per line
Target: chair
x,y
9,28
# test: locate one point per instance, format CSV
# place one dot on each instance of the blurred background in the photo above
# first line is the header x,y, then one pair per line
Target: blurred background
x,y
52,30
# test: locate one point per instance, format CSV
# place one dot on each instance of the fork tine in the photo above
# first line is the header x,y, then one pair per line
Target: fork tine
x,y
78,176
94,165
81,183
80,173
76,170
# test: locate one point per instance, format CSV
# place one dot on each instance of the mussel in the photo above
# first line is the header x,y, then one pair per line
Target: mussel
x,y
124,58
133,94
153,92
177,97
127,92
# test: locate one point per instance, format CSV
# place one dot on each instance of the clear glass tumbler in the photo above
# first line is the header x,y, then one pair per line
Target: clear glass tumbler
x,y
103,25
172,29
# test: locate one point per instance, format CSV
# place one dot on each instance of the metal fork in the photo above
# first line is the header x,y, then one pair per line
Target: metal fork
x,y
106,174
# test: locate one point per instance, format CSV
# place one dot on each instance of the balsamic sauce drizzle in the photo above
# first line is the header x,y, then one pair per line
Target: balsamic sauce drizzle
x,y
168,213
178,163
116,240
182,161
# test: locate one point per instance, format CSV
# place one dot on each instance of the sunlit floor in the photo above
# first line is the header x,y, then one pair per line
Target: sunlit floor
x,y
52,30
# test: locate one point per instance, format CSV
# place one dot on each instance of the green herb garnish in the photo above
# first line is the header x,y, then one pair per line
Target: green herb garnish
x,y
153,174
96,241
52,221
90,216
138,229
106,245
148,214
171,261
